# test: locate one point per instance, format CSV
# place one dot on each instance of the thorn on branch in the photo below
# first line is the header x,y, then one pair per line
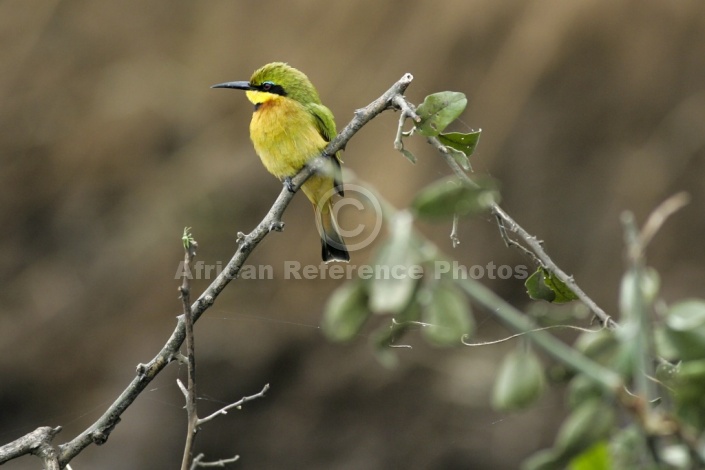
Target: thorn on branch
x,y
184,291
180,358
101,437
277,226
206,300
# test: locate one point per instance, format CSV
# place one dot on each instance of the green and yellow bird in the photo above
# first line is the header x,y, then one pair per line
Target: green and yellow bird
x,y
290,126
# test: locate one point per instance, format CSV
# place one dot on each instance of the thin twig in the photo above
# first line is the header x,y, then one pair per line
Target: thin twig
x,y
531,241
510,242
659,215
407,111
524,333
190,246
220,463
224,410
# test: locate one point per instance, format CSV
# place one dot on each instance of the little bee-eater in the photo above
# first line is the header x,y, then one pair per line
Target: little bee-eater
x,y
289,127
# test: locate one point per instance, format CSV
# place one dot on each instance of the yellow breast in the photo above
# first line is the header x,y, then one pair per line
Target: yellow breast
x,y
284,133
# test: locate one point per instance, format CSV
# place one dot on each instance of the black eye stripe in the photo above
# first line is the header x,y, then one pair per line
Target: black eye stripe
x,y
270,87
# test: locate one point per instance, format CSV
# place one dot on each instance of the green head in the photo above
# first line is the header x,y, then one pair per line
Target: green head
x,y
276,80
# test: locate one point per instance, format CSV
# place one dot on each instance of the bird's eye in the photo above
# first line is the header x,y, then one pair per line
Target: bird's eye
x,y
266,86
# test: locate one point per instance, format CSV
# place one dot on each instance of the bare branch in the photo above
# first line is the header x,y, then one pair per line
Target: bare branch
x,y
190,246
220,463
659,215
37,442
407,111
224,410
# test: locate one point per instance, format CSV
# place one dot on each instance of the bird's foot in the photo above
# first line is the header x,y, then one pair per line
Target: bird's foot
x,y
289,184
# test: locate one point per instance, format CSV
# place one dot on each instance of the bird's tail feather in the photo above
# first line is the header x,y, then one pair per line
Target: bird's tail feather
x,y
332,244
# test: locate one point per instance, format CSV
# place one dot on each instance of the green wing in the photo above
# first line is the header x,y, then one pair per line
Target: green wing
x,y
326,127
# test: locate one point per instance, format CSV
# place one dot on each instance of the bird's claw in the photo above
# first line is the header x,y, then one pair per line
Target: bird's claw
x,y
289,184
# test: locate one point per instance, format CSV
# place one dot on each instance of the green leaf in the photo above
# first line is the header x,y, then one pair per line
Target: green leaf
x,y
465,143
628,447
187,238
596,457
546,459
582,388
543,285
600,346
410,156
520,381
667,374
688,383
450,196
447,314
461,146
537,288
438,110
382,341
690,376
685,329
391,291
563,293
460,158
591,421
345,312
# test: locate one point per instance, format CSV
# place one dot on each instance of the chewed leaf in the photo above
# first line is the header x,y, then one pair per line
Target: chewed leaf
x,y
460,146
450,196
563,292
438,110
463,143
543,285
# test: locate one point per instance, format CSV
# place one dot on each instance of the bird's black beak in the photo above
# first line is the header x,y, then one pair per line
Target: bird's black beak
x,y
236,85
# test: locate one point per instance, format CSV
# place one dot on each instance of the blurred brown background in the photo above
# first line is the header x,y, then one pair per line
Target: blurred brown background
x,y
112,142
